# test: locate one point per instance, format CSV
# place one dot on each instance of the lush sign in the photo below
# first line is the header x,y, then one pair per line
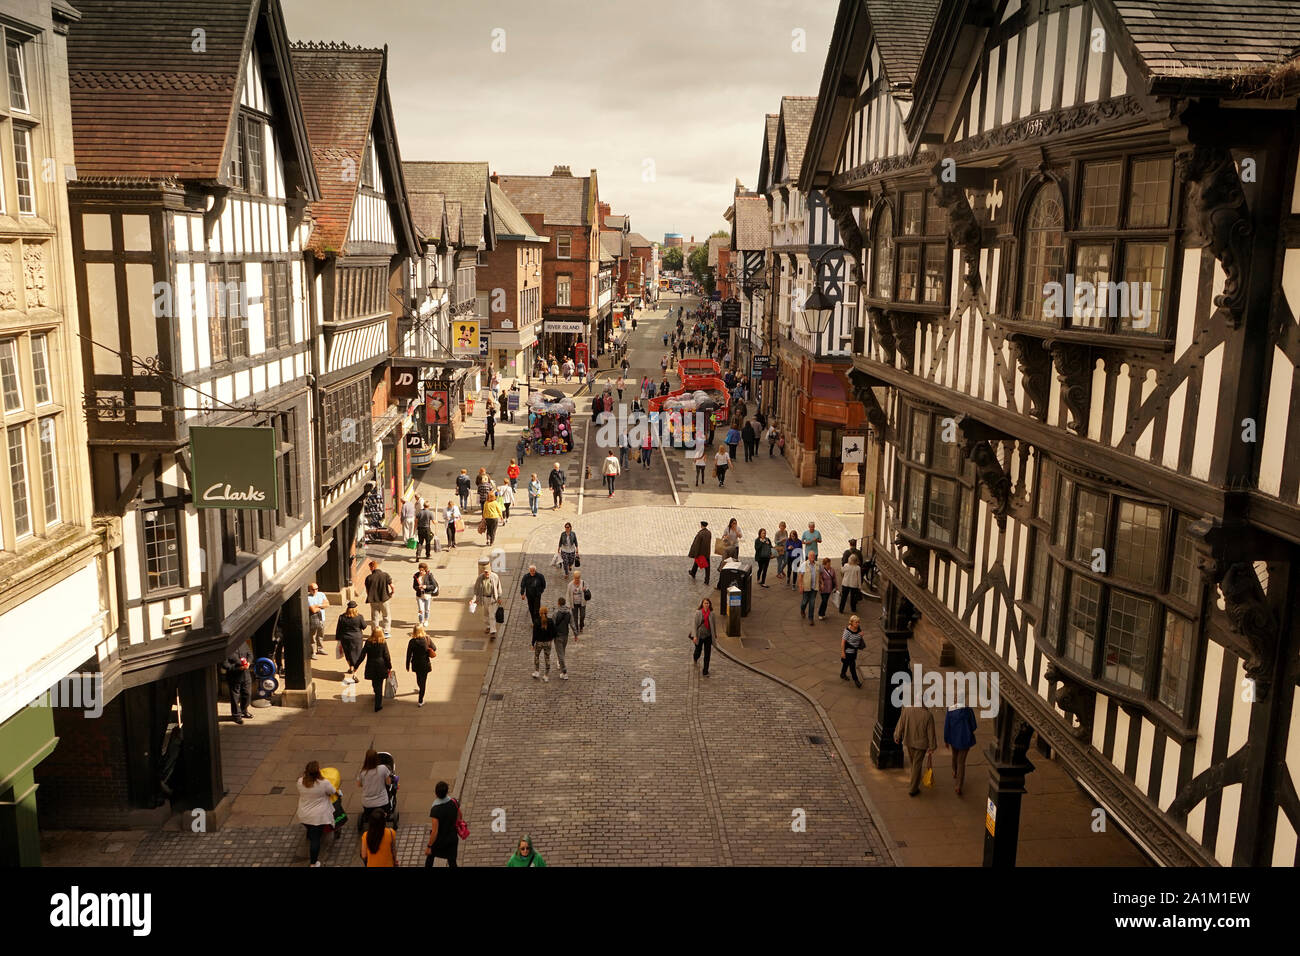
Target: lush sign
x,y
234,467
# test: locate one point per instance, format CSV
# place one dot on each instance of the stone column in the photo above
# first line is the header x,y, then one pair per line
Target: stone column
x,y
897,616
1008,767
849,480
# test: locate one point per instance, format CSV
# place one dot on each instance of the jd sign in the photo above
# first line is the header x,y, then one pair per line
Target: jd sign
x,y
234,467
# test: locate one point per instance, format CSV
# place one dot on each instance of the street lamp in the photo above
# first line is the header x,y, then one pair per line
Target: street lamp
x,y
830,271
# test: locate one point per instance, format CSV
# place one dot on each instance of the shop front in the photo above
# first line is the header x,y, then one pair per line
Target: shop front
x,y
562,335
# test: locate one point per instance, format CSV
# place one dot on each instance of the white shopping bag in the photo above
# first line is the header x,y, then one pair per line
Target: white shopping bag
x,y
473,605
556,560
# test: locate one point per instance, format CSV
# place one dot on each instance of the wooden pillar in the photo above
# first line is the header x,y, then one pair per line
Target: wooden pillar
x,y
1008,766
298,650
199,694
894,658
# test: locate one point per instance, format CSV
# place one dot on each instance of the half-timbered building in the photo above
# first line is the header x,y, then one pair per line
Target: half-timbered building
x,y
424,331
813,402
750,236
1078,226
361,246
188,240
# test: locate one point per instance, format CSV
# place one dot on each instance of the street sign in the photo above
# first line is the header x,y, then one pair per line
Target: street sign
x,y
853,450
731,314
512,401
234,467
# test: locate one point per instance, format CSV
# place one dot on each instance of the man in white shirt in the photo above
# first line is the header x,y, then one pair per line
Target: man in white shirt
x,y
611,471
408,519
317,602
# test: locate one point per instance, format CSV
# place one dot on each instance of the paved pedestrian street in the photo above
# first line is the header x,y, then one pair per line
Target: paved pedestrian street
x,y
638,759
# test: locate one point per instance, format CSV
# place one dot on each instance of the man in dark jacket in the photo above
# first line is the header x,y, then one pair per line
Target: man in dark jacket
x,y
239,682
425,523
463,485
379,588
556,481
750,439
853,549
700,549
531,586
491,434
378,663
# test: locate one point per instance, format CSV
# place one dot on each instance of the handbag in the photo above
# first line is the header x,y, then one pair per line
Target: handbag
x,y
437,545
720,547
462,828
482,525
501,614
433,651
577,562
586,594
390,686
338,650
927,775
460,525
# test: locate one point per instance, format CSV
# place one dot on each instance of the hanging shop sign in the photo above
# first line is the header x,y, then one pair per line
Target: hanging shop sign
x,y
465,337
436,411
406,381
234,467
731,314
413,440
853,450
760,365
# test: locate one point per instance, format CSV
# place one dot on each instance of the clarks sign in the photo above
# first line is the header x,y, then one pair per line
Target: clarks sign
x,y
234,467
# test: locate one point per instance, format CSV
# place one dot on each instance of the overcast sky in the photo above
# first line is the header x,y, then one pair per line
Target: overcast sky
x,y
665,100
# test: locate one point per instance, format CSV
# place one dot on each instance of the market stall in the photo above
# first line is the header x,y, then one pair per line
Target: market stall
x,y
709,398
550,427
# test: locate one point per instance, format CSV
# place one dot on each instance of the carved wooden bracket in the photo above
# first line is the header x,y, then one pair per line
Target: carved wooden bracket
x,y
914,555
1218,207
877,419
841,206
1074,366
990,473
963,228
1077,700
1035,364
904,327
883,330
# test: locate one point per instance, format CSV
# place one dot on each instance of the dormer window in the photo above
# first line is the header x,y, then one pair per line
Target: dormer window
x,y
248,162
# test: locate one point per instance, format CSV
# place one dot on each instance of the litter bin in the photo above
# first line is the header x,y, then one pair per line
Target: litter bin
x,y
742,576
734,610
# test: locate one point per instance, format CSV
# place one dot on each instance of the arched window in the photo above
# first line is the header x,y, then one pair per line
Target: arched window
x,y
1044,255
883,254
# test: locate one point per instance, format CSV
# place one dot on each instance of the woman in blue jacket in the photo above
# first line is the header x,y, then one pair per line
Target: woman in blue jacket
x,y
959,735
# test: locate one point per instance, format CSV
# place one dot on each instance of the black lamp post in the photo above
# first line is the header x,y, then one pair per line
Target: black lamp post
x,y
830,269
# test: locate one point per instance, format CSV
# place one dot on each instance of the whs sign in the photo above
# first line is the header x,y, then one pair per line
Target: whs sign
x,y
234,467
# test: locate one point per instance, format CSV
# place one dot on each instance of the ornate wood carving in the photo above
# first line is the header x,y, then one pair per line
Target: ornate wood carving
x,y
963,229
841,208
1077,700
884,331
905,334
1218,207
1035,364
877,420
990,473
913,554
1074,367
1046,127
1251,618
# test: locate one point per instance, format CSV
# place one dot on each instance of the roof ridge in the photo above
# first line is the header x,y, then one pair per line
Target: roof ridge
x,y
325,46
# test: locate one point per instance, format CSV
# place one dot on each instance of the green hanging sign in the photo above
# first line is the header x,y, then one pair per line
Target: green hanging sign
x,y
234,467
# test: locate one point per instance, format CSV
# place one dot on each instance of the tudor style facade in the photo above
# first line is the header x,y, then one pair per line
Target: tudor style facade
x,y
1096,498
361,249
193,307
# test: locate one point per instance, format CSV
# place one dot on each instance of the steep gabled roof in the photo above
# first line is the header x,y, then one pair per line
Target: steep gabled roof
x,y
752,223
429,214
509,221
611,244
147,105
615,222
792,133
901,28
717,243
456,225
636,240
344,95
463,183
562,198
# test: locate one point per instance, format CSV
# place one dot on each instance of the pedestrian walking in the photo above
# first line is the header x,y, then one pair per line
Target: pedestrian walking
x,y
531,586
556,481
762,555
578,592
959,735
512,473
420,652
721,462
732,441
492,512
778,546
772,436
451,515
700,551
486,597
408,519
851,584
426,523
315,807
568,548
317,602
373,778
444,836
750,439
506,495
425,586
525,855
647,448
664,388
534,492
793,555
351,637
619,385
379,664
555,372
624,449
543,636
611,471
504,406
825,585
851,641
239,683
463,485
915,731
703,631
701,460
485,487
379,843
379,590
562,620
808,591
811,540
732,539
850,551
490,435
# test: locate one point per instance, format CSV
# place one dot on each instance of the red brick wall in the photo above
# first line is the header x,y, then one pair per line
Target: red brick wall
x,y
502,272
83,784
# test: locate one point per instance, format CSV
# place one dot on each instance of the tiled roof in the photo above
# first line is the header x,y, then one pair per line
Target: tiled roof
x,y
145,104
427,211
509,221
562,200
753,223
1211,38
463,183
901,28
773,121
611,244
636,240
615,222
455,224
796,118
716,243
338,87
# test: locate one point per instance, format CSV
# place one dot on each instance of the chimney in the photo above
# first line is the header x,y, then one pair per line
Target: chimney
x,y
561,171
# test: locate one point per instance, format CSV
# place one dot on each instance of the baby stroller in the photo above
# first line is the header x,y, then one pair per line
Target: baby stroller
x,y
390,810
